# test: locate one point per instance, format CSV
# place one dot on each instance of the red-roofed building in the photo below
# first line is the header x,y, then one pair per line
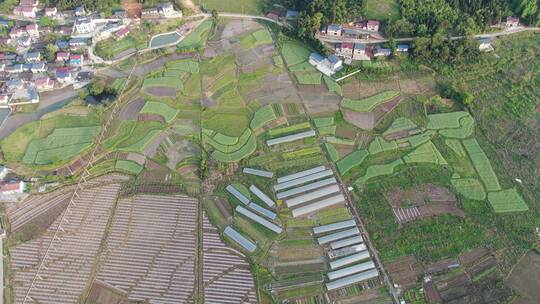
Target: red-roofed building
x,y
373,25
51,11
62,56
16,32
76,60
273,16
44,83
512,21
25,11
29,3
32,29
12,187
121,33
2,56
344,49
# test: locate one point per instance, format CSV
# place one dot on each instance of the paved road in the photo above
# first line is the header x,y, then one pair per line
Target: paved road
x,y
331,39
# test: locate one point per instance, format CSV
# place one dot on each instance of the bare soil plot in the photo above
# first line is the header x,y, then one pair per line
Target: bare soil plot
x,y
101,292
69,266
344,150
158,63
470,257
345,132
319,102
161,91
440,266
423,201
226,274
130,110
150,117
363,89
150,250
274,88
368,120
405,271
525,278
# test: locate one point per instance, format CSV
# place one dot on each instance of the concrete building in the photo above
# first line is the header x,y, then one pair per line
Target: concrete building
x,y
359,52
12,187
84,26
333,30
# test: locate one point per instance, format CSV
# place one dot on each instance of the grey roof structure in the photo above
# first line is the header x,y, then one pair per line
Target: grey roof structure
x,y
258,172
350,270
338,235
370,274
242,198
337,253
349,259
327,190
327,202
240,239
265,198
347,242
334,226
258,219
290,138
269,214
296,175
302,189
303,180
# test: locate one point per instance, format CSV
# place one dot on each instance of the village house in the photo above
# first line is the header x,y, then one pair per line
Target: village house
x,y
25,11
350,33
328,66
149,13
33,3
120,14
33,56
63,30
80,11
62,56
12,187
402,48
344,50
14,69
4,23
167,10
373,25
77,43
381,52
16,32
63,75
3,169
512,21
333,30
5,40
84,26
14,84
76,60
51,11
359,52
107,30
44,83
24,41
272,15
290,14
32,29
25,96
38,67
485,44
4,100
121,33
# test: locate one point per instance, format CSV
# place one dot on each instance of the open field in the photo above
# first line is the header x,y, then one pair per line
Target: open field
x,y
382,9
368,104
253,7
162,109
507,201
197,38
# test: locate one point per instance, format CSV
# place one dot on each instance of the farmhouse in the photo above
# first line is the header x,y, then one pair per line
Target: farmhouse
x,y
359,52
485,44
512,21
272,15
344,50
5,40
14,69
333,30
62,56
84,26
2,67
44,83
12,187
167,10
402,48
328,66
16,32
80,11
24,41
25,96
77,43
38,67
51,11
33,56
121,33
149,13
373,25
76,59
63,75
350,33
25,11
382,52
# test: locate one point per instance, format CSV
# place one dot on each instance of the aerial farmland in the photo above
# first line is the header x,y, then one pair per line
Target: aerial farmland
x,y
230,169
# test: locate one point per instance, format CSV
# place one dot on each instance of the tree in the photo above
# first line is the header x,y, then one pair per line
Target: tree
x,y
50,51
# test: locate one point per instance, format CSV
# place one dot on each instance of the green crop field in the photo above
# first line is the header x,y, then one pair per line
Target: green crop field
x,y
426,153
379,145
507,200
418,139
470,188
295,52
141,144
382,9
302,153
289,129
310,78
370,103
245,151
196,38
225,139
482,165
256,38
62,145
464,131
340,141
262,116
332,151
457,147
352,160
445,120
170,82
186,65
379,170
332,85
220,146
327,130
128,166
159,108
323,121
400,124
231,124
250,7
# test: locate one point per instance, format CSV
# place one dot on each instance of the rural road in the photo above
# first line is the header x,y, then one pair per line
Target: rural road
x,y
331,39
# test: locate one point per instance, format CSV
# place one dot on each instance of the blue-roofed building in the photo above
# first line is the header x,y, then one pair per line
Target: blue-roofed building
x,y
333,30
382,52
359,52
350,33
239,239
4,23
328,66
402,48
290,14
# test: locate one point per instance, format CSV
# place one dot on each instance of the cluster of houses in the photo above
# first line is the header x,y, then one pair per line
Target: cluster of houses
x,y
9,187
361,29
164,10
360,51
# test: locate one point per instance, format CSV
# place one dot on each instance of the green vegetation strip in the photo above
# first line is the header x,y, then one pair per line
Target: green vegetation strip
x,y
482,165
352,160
128,166
295,52
186,65
456,146
262,116
470,188
426,153
370,103
218,141
245,151
332,151
332,85
159,108
445,120
507,200
302,153
278,132
379,145
323,121
196,38
140,145
169,82
465,130
400,124
379,170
